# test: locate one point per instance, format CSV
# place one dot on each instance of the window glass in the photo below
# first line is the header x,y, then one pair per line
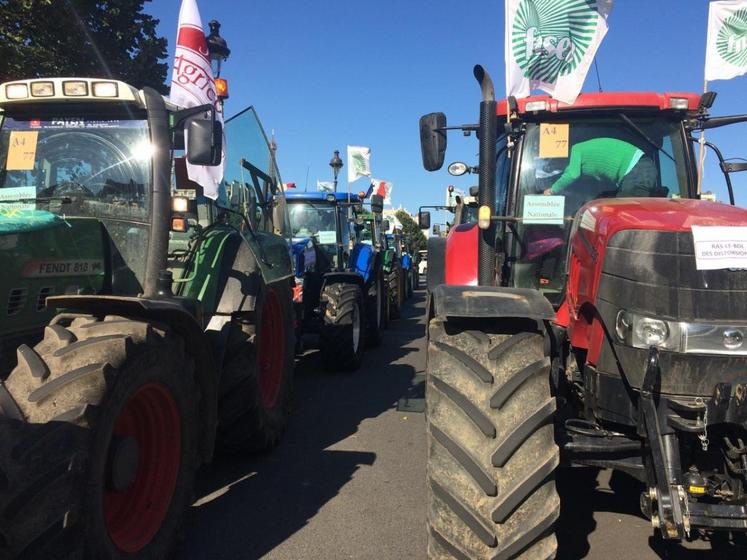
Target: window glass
x,y
563,166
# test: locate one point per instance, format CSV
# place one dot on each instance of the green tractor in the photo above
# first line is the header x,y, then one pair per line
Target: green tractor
x,y
164,320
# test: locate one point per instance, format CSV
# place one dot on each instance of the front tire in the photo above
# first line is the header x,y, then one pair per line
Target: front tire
x,y
342,334
110,408
491,449
257,381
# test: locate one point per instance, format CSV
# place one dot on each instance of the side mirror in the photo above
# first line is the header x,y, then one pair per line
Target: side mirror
x,y
436,230
433,140
424,220
377,203
385,226
204,142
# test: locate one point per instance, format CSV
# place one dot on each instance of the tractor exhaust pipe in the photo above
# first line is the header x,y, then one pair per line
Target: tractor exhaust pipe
x,y
488,133
158,241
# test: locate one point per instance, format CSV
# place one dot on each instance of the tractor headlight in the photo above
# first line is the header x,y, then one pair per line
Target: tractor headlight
x,y
640,331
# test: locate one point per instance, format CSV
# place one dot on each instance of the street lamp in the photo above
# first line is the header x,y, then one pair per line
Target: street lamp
x,y
336,164
217,48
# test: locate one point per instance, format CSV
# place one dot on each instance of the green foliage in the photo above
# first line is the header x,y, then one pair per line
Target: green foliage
x,y
416,240
86,38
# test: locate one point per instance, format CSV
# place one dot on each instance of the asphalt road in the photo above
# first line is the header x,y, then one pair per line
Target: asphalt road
x,y
348,480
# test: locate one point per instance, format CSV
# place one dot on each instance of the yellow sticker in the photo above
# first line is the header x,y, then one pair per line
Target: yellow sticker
x,y
21,150
553,140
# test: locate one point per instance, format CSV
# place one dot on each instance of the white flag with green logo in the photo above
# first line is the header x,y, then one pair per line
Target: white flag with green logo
x,y
325,186
550,45
726,47
359,162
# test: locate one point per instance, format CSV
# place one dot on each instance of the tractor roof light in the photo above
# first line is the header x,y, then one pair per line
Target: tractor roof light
x,y
679,103
42,89
75,88
330,197
361,195
104,89
536,106
221,88
16,91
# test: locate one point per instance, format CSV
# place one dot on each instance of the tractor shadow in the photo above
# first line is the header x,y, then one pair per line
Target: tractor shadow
x,y
582,496
246,506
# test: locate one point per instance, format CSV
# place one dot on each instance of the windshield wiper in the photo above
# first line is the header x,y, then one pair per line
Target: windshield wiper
x,y
643,135
61,199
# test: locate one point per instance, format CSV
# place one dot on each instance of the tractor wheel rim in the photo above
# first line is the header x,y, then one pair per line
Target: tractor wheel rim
x,y
271,350
356,328
134,516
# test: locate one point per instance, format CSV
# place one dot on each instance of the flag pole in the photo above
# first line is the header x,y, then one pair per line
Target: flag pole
x,y
701,154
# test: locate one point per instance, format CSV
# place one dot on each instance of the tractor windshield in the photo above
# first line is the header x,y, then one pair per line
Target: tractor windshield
x,y
564,165
78,170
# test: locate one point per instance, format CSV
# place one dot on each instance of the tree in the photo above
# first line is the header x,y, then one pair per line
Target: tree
x,y
86,38
416,240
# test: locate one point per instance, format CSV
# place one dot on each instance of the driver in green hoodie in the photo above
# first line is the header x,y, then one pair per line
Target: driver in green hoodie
x,y
609,160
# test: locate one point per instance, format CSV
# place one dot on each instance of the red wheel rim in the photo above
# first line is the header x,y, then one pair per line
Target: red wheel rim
x,y
271,350
134,516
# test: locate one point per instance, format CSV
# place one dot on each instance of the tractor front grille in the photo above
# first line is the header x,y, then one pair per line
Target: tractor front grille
x,y
41,300
17,300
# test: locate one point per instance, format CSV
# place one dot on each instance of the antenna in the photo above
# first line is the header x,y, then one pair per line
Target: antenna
x,y
599,81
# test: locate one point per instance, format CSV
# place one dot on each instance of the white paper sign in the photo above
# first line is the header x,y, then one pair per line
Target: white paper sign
x,y
327,237
718,247
18,193
541,209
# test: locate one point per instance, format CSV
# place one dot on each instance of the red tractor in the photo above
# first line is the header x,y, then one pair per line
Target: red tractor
x,y
576,321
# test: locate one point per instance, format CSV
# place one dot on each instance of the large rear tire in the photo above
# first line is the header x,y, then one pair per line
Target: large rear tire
x,y
98,442
491,449
342,335
257,381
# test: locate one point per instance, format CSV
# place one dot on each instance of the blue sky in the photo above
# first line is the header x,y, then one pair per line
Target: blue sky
x,y
324,75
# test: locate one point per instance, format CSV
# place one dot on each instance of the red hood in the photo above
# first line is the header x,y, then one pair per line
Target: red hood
x,y
597,222
608,216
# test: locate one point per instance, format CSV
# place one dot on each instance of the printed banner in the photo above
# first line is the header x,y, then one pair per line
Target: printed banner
x,y
192,84
359,162
551,44
726,45
325,186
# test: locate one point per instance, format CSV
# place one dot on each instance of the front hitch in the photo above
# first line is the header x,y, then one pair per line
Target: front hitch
x,y
668,496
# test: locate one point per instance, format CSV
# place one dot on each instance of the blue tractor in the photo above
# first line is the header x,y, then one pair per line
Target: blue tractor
x,y
340,291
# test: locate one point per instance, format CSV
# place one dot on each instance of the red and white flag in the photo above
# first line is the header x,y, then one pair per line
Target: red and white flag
x,y
382,188
192,84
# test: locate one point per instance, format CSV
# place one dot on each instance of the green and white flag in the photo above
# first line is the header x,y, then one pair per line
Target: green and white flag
x,y
726,47
550,45
359,162
325,186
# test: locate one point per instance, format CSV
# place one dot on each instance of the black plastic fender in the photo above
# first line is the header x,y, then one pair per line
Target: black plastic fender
x,y
176,314
342,277
484,302
436,273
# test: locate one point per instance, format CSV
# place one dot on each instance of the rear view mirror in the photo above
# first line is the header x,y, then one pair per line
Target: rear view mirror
x,y
433,140
377,203
424,220
204,142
